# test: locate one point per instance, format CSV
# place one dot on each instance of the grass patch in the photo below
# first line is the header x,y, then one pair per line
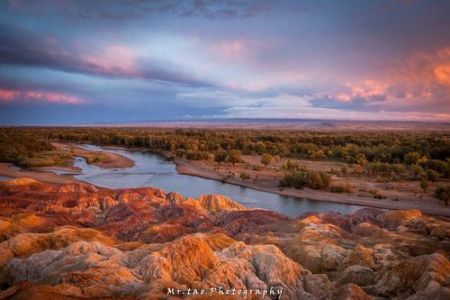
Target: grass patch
x,y
45,159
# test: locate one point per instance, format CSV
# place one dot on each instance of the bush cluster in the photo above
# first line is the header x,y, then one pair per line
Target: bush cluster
x,y
443,193
297,176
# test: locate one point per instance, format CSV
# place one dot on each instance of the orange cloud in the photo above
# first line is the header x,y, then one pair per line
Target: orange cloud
x,y
442,73
10,95
421,80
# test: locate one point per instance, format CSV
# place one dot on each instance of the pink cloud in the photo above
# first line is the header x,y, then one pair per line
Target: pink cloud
x,y
231,49
234,49
11,95
421,81
113,59
365,89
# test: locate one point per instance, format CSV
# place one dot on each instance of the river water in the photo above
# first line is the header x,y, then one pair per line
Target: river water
x,y
151,170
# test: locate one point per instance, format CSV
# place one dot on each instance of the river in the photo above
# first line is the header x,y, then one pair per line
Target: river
x,y
151,170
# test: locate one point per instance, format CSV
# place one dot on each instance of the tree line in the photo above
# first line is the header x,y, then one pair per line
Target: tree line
x,y
379,153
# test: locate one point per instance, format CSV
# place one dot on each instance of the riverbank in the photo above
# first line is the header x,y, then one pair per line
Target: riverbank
x,y
102,159
265,180
9,170
269,183
65,174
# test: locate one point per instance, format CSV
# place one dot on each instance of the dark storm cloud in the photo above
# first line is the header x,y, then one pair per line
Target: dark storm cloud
x,y
211,9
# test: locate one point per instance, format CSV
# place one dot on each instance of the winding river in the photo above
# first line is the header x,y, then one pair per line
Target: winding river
x,y
151,170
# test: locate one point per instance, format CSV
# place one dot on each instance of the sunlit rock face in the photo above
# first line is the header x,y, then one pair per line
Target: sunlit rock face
x,y
78,241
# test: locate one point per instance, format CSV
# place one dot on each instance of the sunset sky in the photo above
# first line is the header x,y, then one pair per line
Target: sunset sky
x,y
75,62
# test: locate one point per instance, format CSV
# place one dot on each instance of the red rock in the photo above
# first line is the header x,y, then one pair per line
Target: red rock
x,y
78,241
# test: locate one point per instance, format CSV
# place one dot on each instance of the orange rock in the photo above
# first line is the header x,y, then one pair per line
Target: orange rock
x,y
395,218
78,241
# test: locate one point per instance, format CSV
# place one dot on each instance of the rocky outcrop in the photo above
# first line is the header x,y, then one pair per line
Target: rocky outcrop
x,y
425,275
218,203
77,241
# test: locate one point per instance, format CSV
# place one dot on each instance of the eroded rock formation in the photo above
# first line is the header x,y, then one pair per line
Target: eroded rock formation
x,y
77,241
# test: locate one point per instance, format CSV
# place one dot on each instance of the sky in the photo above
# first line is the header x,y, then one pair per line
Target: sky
x,y
87,62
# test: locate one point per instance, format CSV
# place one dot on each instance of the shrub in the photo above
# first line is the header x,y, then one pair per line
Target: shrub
x,y
234,156
443,193
432,175
291,166
361,159
257,168
411,158
197,155
301,177
379,196
180,152
244,176
418,171
266,159
424,184
345,188
439,166
344,170
385,169
220,156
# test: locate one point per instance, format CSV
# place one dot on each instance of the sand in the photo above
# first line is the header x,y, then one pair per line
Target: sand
x,y
10,171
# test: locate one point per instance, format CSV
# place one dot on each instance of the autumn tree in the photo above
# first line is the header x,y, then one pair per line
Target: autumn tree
x,y
266,159
234,156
